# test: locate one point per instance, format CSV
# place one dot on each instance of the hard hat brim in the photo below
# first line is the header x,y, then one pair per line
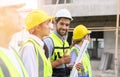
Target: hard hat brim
x,y
89,32
43,20
48,18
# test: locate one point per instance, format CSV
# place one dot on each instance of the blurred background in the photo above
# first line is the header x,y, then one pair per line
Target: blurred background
x,y
100,16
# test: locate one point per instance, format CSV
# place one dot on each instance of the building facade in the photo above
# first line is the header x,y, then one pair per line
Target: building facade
x,y
97,15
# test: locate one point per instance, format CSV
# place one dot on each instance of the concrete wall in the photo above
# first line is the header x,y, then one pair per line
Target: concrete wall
x,y
100,52
109,42
109,46
83,7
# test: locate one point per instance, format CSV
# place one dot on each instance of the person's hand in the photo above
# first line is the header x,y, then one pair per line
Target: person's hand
x,y
78,66
66,58
66,53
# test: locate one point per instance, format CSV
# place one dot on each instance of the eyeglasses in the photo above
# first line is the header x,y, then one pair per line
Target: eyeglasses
x,y
62,23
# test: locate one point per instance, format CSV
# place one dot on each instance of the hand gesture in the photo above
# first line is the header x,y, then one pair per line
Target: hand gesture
x,y
78,66
66,58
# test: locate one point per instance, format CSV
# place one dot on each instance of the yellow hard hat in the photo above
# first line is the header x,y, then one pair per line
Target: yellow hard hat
x,y
79,32
35,18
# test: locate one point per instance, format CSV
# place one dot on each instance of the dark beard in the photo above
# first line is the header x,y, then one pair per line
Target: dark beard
x,y
61,34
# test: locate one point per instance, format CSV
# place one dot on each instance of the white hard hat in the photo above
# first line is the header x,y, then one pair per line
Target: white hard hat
x,y
63,13
4,3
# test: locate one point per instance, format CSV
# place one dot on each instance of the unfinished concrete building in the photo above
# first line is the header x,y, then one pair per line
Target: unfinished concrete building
x,y
97,15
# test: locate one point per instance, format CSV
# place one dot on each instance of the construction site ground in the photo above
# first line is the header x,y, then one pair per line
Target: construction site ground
x,y
100,73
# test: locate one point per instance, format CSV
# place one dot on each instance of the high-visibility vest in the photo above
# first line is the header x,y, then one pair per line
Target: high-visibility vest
x,y
1,73
46,70
85,61
7,67
59,47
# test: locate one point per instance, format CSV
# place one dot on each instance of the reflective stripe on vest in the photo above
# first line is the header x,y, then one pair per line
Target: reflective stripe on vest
x,y
46,70
85,61
21,64
1,73
4,70
13,72
59,47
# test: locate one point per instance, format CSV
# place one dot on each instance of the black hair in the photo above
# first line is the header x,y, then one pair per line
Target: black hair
x,y
57,19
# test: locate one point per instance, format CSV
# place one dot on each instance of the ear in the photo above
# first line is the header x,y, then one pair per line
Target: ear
x,y
82,40
31,31
38,27
54,22
87,37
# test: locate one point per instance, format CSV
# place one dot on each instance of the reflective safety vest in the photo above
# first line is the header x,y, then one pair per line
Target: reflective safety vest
x,y
85,61
44,64
59,47
7,67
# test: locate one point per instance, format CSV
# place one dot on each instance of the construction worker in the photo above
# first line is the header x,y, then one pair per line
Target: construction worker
x,y
10,23
32,52
81,33
58,46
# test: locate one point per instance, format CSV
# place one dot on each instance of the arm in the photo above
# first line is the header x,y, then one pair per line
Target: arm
x,y
64,60
73,58
49,43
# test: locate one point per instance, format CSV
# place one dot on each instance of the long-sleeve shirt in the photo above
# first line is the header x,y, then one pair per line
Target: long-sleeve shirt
x,y
28,56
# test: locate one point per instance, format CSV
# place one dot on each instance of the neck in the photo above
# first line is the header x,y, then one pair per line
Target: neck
x,y
60,36
80,43
39,36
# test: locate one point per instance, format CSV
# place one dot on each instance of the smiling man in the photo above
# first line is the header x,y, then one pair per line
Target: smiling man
x,y
58,46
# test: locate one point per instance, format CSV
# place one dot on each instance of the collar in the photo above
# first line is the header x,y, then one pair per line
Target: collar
x,y
61,37
77,46
38,40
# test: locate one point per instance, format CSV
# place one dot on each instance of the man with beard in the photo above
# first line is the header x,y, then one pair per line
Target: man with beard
x,y
58,46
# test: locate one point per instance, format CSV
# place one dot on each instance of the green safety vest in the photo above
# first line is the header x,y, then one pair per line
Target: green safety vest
x,y
46,70
7,67
59,47
85,61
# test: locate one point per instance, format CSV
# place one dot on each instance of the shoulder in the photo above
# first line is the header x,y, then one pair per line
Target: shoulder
x,y
73,50
48,40
27,48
